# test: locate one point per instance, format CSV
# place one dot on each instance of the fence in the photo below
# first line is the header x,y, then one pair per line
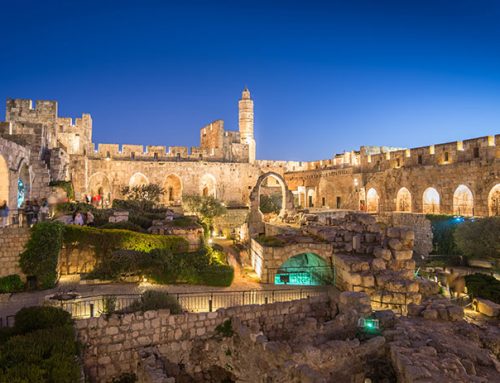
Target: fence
x,y
193,302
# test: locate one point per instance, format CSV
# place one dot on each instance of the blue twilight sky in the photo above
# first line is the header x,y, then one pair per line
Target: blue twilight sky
x,y
325,76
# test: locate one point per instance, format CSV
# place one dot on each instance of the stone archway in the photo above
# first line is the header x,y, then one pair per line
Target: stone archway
x,y
173,190
256,222
372,201
463,201
494,201
138,179
4,181
430,201
403,200
99,185
208,185
304,269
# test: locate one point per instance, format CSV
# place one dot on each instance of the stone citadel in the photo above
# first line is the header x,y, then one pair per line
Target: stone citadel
x,y
38,147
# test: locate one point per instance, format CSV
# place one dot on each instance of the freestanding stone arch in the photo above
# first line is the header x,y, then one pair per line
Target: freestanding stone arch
x,y
256,220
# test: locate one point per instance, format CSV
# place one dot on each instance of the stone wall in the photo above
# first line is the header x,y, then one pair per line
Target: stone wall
x,y
233,222
113,343
420,225
76,260
12,241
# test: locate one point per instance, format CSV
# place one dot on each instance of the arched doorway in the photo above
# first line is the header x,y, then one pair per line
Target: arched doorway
x,y
430,201
23,185
173,190
270,197
494,201
208,186
4,181
372,201
403,200
463,201
307,269
99,188
138,179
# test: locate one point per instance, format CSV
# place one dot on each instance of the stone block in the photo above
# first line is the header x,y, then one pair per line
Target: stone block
x,y
382,253
402,255
455,313
378,264
486,307
395,244
430,314
393,232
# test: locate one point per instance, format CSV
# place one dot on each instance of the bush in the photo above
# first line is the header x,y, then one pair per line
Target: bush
x,y
443,228
155,300
270,203
105,241
483,286
47,355
40,348
71,207
11,284
30,319
40,257
126,225
479,238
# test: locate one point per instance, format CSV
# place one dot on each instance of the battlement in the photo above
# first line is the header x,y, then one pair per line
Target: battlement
x,y
155,153
23,110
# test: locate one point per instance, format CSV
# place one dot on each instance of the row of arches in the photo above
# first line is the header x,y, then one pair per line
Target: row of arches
x,y
463,201
100,185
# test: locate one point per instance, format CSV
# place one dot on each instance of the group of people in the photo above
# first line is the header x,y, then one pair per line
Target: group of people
x,y
81,219
35,212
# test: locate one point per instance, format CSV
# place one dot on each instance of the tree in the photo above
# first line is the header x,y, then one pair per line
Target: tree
x,y
205,207
146,196
479,238
270,203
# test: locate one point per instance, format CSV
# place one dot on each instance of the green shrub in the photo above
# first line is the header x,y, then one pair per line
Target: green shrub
x,y
29,319
483,286
155,300
140,220
479,238
11,284
443,228
271,203
105,241
225,329
71,207
47,355
126,225
41,254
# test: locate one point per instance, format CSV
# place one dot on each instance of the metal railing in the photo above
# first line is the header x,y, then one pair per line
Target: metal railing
x,y
94,306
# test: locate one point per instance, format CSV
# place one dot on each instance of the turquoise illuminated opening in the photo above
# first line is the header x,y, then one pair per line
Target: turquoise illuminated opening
x,y
21,192
306,269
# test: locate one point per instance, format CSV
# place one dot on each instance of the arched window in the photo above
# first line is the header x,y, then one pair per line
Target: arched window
x,y
138,179
372,201
463,201
403,200
494,201
173,190
430,201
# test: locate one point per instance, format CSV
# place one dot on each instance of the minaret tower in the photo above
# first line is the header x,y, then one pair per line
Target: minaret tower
x,y
246,123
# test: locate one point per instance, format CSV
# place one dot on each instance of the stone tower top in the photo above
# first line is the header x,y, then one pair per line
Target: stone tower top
x,y
245,115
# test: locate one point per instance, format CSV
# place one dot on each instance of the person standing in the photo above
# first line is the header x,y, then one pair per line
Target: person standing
x,y
4,214
36,211
90,218
44,211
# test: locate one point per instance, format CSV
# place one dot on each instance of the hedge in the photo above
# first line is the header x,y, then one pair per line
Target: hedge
x,y
203,267
479,238
11,284
105,241
125,225
40,257
46,352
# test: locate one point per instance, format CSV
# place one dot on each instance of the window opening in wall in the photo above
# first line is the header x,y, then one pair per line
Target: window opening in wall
x,y
323,201
132,155
446,157
476,152
420,159
339,202
155,156
178,156
108,155
398,162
